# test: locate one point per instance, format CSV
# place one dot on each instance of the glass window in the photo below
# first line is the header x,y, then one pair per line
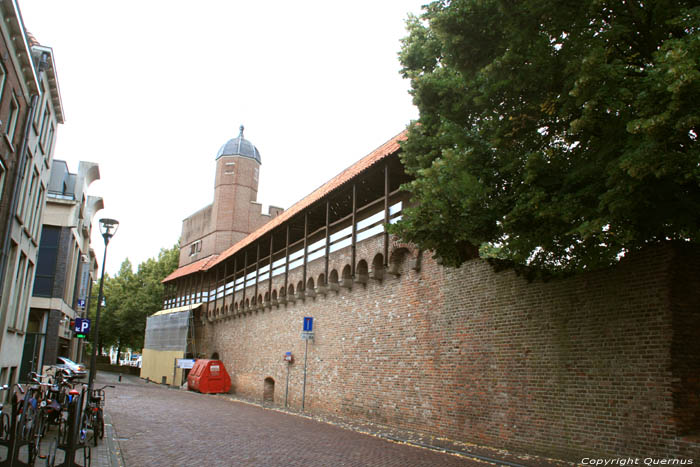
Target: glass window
x,y
3,75
16,299
46,265
49,139
2,179
12,118
44,125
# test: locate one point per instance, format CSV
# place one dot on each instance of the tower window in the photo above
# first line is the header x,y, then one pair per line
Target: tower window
x,y
196,247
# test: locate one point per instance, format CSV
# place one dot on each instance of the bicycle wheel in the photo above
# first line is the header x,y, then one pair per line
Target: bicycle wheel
x,y
26,429
62,431
5,426
51,459
89,423
39,428
100,424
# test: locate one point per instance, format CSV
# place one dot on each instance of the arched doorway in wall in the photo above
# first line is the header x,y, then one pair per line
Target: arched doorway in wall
x,y
215,356
269,391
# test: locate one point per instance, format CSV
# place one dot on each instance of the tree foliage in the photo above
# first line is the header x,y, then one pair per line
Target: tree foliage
x,y
131,297
558,134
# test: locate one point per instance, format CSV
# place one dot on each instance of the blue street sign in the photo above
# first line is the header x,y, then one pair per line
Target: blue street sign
x,y
81,303
308,324
82,326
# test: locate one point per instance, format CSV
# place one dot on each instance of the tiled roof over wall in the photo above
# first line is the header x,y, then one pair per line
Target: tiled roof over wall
x,y
383,151
197,266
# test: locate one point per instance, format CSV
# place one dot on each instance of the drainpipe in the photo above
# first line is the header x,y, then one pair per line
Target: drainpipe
x,y
43,65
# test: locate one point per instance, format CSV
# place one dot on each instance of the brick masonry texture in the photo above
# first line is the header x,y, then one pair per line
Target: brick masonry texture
x,y
602,364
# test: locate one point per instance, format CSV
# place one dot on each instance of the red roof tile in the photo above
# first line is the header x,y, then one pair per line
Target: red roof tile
x,y
199,265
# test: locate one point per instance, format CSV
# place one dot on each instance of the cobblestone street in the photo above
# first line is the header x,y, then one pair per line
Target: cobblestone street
x,y
159,426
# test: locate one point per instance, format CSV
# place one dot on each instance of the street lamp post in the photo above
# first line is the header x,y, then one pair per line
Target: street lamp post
x,y
108,227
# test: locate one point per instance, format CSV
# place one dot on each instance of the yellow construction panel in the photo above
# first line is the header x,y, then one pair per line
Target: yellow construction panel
x,y
159,364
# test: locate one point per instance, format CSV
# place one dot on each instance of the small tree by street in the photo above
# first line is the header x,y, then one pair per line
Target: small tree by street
x,y
130,298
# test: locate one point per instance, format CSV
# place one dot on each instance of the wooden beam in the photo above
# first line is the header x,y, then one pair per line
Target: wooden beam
x,y
306,241
328,239
233,295
286,261
245,267
225,275
354,229
257,271
269,276
386,214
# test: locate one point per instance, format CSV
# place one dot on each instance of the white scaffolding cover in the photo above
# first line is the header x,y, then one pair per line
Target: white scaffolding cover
x,y
168,329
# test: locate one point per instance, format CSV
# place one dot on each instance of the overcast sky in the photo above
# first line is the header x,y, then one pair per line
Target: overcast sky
x,y
151,89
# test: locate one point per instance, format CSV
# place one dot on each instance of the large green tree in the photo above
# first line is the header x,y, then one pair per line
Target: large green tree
x,y
555,134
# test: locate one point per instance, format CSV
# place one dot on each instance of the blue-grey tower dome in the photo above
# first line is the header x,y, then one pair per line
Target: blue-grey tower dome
x,y
239,147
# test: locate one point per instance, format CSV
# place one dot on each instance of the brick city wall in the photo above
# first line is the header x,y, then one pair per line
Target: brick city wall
x,y
595,365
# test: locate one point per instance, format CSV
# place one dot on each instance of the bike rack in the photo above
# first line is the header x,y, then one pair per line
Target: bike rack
x,y
13,442
75,441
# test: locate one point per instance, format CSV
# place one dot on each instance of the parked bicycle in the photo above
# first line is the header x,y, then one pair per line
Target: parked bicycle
x,y
71,438
25,431
4,416
93,416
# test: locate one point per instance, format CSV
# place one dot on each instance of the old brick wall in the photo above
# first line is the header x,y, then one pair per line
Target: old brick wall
x,y
685,302
568,368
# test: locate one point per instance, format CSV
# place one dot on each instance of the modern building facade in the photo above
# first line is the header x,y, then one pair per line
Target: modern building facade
x,y
66,267
30,110
599,365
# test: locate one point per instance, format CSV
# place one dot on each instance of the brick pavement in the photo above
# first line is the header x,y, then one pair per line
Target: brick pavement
x,y
155,425
159,426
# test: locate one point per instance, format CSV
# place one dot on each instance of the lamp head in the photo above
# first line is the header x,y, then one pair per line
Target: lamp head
x,y
108,227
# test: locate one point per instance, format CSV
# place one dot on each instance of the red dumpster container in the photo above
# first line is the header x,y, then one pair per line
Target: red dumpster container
x,y
208,377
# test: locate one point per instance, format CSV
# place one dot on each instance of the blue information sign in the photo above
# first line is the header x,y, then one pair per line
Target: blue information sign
x,y
82,326
308,324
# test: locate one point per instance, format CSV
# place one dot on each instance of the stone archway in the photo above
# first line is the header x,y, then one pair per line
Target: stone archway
x,y
269,391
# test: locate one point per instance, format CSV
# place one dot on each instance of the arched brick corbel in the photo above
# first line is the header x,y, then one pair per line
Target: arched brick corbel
x,y
346,281
376,272
362,272
301,294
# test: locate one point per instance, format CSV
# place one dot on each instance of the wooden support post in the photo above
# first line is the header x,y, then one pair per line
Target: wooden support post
x,y
328,239
216,290
233,294
386,215
306,235
225,276
245,267
257,272
354,229
189,290
269,275
286,262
